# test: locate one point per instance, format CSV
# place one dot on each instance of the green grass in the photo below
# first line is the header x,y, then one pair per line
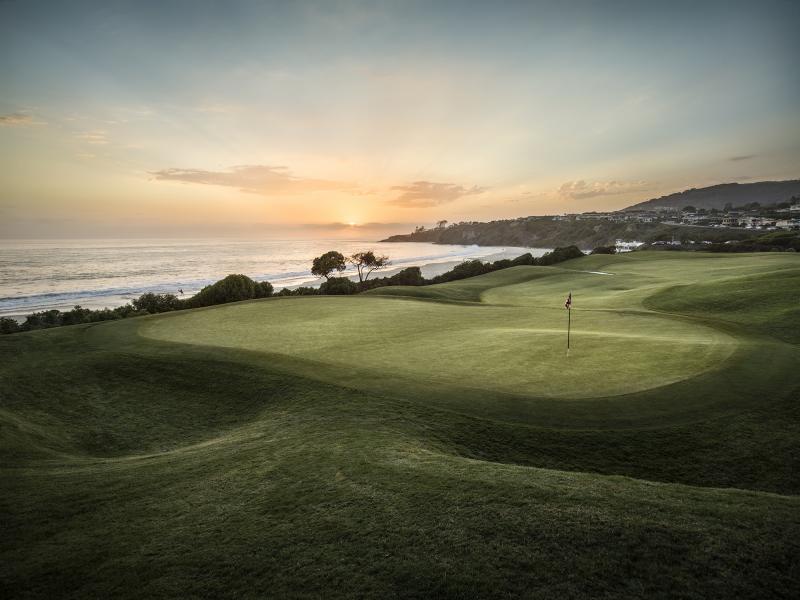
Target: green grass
x,y
411,442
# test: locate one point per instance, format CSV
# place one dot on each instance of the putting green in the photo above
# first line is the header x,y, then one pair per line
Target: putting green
x,y
494,347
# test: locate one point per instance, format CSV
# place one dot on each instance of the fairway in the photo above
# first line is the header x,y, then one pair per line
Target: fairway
x,y
430,441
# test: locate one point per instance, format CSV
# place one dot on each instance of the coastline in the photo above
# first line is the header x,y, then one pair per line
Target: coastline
x,y
431,264
434,268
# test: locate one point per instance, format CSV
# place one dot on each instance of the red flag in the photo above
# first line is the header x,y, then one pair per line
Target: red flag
x,y
568,303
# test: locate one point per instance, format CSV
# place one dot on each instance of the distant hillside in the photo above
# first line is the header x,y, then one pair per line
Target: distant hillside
x,y
717,196
550,232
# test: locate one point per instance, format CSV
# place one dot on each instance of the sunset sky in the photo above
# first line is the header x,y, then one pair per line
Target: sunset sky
x,y
118,118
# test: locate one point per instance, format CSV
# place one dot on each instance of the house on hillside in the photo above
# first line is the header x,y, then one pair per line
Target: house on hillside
x,y
731,220
623,246
788,223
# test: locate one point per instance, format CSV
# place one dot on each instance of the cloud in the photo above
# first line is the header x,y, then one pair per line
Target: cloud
x,y
424,194
218,108
743,157
97,136
255,179
578,190
527,197
18,120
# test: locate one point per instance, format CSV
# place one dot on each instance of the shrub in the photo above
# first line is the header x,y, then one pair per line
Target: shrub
x,y
338,286
232,288
42,320
305,291
605,250
468,268
524,259
559,255
408,276
156,303
503,263
8,325
264,289
76,316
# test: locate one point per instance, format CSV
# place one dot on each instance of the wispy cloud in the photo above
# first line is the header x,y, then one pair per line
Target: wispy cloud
x,y
743,157
425,194
579,190
213,108
18,120
255,179
97,136
527,197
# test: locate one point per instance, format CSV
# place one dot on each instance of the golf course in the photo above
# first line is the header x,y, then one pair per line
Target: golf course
x,y
431,441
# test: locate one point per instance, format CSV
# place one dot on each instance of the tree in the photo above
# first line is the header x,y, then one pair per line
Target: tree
x,y
689,209
366,262
326,264
441,224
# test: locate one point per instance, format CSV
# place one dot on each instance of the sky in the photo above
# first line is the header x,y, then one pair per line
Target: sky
x,y
346,118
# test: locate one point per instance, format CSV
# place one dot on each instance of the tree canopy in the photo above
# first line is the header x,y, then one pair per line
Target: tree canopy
x,y
367,262
326,264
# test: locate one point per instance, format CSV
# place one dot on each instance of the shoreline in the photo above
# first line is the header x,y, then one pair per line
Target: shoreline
x,y
113,300
430,269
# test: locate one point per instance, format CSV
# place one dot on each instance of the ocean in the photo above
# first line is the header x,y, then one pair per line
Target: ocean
x,y
39,275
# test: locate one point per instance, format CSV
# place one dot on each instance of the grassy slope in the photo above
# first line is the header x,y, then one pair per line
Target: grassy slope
x,y
277,453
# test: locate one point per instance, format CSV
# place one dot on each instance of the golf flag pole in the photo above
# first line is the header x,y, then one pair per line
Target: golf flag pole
x,y
568,306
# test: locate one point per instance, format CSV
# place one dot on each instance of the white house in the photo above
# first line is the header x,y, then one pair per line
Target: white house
x,y
623,246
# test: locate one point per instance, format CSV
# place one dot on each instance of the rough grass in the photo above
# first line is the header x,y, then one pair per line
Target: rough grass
x,y
401,447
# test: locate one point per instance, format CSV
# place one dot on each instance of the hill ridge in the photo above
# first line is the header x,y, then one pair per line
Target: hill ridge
x,y
719,195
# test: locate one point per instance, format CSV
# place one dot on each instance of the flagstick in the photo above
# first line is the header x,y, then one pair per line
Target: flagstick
x,y
569,324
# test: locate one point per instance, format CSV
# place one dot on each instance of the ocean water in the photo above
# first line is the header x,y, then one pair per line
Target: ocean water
x,y
39,275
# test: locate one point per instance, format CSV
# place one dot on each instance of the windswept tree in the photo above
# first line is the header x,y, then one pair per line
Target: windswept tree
x,y
326,264
366,263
